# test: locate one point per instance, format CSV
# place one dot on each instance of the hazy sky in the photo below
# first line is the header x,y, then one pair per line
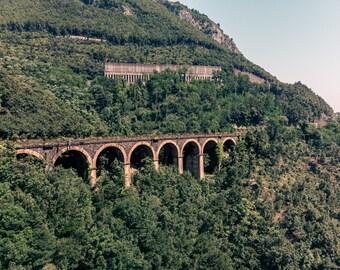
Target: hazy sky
x,y
294,40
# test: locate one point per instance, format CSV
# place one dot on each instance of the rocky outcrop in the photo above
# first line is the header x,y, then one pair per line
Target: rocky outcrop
x,y
252,77
201,22
127,11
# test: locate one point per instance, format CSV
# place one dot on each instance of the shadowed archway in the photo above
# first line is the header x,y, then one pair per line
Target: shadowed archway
x,y
23,153
139,154
74,159
191,162
210,157
31,157
168,154
106,157
228,145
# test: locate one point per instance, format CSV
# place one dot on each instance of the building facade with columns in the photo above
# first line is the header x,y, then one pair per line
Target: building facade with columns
x,y
134,72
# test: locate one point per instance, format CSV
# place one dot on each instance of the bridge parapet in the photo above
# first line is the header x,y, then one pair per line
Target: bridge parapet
x,y
186,151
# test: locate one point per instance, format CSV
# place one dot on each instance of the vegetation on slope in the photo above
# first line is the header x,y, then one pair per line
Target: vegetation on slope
x,y
274,205
44,92
149,24
44,74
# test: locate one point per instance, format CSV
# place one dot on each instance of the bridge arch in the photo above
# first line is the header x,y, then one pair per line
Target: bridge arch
x,y
190,141
30,153
171,153
228,144
77,158
210,159
113,150
191,152
140,151
207,141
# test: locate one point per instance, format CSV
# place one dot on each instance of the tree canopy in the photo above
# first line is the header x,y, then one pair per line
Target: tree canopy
x,y
262,211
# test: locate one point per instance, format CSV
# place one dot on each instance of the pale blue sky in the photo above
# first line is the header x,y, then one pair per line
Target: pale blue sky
x,y
294,40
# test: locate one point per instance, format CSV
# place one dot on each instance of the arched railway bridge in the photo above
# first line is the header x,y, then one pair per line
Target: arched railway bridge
x,y
89,157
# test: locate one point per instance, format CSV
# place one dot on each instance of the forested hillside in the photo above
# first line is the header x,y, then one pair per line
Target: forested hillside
x,y
273,204
44,92
40,62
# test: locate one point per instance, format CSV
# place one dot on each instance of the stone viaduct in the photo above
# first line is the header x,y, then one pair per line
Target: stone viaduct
x,y
193,153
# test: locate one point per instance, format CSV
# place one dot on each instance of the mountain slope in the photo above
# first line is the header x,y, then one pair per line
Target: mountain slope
x,y
201,22
39,54
150,23
273,203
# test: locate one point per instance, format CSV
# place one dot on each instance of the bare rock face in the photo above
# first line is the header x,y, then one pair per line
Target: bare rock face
x,y
252,77
127,11
203,23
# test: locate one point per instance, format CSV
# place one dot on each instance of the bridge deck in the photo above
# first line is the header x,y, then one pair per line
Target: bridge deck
x,y
118,139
